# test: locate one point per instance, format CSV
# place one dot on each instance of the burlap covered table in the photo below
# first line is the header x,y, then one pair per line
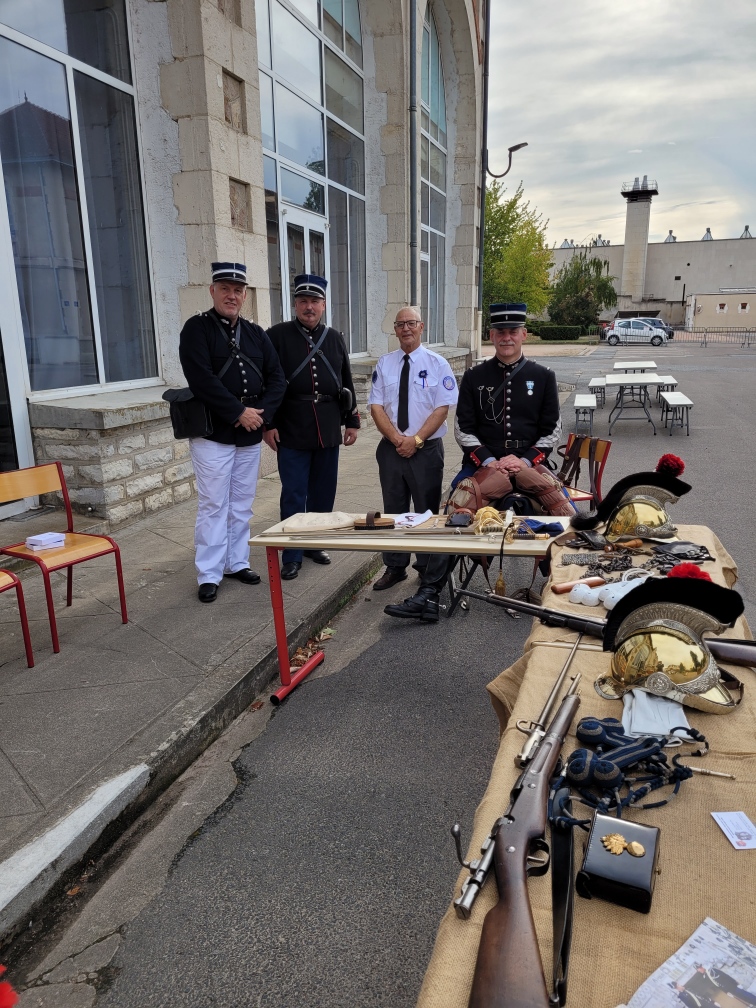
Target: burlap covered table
x,y
614,949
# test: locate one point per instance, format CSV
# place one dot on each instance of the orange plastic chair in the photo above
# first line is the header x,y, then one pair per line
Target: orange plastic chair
x,y
599,462
79,546
8,581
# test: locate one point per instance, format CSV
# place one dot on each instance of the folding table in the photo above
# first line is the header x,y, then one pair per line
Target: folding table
x,y
458,543
632,395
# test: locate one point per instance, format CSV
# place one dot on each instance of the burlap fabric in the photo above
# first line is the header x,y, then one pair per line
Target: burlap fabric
x,y
615,949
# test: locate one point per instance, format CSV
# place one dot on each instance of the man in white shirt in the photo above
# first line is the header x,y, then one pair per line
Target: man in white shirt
x,y
412,390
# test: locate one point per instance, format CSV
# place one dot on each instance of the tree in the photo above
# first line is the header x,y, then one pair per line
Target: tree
x,y
582,289
516,259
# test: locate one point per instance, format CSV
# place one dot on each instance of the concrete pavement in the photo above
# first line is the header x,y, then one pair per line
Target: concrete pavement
x,y
155,691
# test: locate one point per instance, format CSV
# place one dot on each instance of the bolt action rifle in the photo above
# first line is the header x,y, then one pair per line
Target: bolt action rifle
x,y
733,652
509,971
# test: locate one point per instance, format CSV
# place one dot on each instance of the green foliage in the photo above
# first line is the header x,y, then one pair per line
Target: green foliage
x,y
516,259
546,331
582,289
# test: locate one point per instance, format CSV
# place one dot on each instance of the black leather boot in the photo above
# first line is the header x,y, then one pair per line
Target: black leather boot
x,y
423,606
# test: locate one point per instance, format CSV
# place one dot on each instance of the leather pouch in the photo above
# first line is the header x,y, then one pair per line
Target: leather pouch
x,y
619,878
189,417
593,540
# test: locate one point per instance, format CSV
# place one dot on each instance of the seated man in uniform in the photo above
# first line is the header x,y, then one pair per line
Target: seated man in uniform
x,y
507,419
230,366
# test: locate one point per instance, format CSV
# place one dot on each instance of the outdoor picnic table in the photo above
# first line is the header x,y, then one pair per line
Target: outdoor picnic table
x,y
632,395
642,365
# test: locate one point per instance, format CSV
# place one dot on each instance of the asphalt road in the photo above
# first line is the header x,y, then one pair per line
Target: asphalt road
x,y
321,879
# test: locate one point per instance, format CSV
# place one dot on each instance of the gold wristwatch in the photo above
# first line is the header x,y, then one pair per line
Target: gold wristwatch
x,y
419,442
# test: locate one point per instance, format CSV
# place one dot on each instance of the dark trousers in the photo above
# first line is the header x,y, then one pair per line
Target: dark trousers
x,y
308,483
418,479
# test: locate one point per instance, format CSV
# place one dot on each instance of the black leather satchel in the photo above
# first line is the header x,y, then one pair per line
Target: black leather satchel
x,y
620,863
189,417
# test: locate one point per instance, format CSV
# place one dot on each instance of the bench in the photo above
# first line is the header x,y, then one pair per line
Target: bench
x,y
598,387
584,407
676,411
667,383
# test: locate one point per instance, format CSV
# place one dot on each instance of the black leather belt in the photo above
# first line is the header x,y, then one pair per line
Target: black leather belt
x,y
317,397
249,400
516,444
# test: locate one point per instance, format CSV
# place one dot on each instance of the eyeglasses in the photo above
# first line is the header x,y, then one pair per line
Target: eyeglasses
x,y
407,325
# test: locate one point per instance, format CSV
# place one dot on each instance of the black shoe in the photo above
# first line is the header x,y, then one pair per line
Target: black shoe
x,y
290,570
423,606
318,556
390,577
245,575
207,592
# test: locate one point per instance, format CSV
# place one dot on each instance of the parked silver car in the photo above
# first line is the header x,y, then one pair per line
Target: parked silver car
x,y
635,331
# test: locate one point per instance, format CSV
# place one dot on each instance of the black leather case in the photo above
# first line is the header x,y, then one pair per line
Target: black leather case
x,y
619,878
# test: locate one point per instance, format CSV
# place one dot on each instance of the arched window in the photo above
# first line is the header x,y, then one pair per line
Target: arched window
x,y
433,185
312,112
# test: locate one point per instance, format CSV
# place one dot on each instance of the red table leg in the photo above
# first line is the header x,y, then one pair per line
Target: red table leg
x,y
288,681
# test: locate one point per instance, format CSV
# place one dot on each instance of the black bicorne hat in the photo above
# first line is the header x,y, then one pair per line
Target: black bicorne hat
x,y
723,604
671,484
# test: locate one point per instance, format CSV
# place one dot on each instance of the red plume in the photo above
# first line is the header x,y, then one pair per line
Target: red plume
x,y
670,465
689,570
8,997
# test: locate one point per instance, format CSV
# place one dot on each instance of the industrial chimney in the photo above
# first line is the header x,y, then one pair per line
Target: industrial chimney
x,y
638,195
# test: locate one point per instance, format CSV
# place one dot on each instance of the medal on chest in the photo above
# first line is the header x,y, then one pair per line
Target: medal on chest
x,y
530,386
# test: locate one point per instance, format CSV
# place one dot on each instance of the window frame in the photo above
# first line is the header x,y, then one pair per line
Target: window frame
x,y
426,136
281,161
71,64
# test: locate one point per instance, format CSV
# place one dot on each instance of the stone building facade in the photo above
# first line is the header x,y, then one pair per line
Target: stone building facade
x,y
142,139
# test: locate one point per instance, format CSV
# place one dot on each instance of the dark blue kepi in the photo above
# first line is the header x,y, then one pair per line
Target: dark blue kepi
x,y
508,316
310,284
229,271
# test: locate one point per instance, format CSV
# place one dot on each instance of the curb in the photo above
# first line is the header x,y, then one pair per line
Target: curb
x,y
35,876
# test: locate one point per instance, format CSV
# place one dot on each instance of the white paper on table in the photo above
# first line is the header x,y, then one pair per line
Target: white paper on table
x,y
738,829
410,519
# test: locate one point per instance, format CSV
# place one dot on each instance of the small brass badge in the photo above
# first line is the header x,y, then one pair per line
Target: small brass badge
x,y
615,843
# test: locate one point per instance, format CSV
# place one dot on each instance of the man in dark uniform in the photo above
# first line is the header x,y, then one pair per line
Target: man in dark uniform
x,y
723,981
319,400
230,366
507,418
508,411
691,1000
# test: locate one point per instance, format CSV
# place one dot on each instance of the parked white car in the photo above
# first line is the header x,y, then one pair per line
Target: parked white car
x,y
634,331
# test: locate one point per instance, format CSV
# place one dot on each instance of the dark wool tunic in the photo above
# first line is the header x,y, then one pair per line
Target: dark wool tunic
x,y
521,418
307,425
203,351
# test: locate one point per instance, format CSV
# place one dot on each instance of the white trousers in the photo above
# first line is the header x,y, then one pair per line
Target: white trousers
x,y
226,484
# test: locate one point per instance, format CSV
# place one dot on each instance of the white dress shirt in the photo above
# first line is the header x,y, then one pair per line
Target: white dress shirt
x,y
431,384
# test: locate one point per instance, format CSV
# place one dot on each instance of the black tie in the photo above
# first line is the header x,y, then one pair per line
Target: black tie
x,y
403,415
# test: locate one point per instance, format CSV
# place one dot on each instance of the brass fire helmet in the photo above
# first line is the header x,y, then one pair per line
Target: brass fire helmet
x,y
641,515
669,658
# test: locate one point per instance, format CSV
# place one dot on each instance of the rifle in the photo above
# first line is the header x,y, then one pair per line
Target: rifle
x,y
729,650
509,971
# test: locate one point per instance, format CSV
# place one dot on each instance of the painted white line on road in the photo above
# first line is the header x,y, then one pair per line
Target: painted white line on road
x,y
31,872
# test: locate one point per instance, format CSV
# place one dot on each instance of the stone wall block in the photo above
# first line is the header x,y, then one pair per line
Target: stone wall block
x,y
180,449
71,451
178,472
182,492
143,484
123,512
131,443
160,436
87,497
153,458
115,470
154,502
115,492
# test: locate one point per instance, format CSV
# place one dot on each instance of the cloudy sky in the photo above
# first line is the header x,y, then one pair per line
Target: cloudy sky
x,y
604,90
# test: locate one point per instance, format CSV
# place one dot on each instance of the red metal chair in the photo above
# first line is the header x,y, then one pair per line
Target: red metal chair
x,y
8,581
79,546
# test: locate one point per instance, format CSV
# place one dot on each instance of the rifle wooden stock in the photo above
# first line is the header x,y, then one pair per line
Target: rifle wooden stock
x,y
730,651
509,971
